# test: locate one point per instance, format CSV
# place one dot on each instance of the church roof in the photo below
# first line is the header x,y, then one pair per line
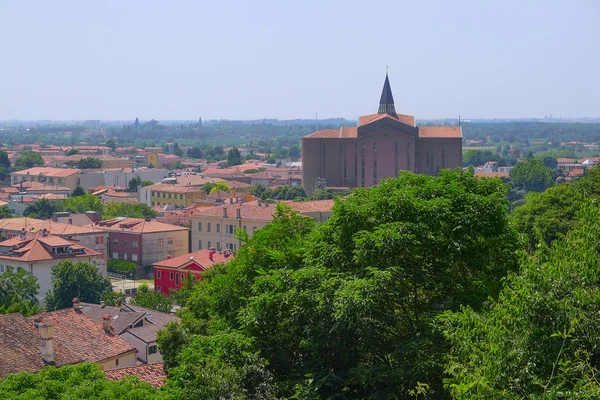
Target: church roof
x,y
343,132
440,132
405,119
386,103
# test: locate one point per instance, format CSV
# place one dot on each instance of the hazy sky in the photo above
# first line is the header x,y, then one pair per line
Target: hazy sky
x,y
291,59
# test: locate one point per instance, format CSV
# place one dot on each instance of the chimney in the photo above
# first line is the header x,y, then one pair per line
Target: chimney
x,y
238,213
70,221
76,304
211,254
231,200
106,323
46,340
259,203
101,304
224,212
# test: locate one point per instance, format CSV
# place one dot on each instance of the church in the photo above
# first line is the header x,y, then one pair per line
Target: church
x,y
379,147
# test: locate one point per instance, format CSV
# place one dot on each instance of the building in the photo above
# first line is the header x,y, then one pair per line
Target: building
x,y
216,226
379,147
65,225
490,166
170,274
143,242
59,338
175,194
138,326
38,253
50,176
119,176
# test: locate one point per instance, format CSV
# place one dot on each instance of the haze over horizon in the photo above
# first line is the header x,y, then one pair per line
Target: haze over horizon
x,y
70,60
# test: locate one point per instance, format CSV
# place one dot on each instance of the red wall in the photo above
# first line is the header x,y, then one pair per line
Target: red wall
x,y
166,284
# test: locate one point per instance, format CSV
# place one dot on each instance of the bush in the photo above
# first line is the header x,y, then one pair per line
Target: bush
x,y
121,266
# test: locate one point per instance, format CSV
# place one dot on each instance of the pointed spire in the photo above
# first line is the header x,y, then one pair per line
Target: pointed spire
x,y
386,104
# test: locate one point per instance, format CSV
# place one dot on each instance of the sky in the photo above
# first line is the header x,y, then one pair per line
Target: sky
x,y
185,59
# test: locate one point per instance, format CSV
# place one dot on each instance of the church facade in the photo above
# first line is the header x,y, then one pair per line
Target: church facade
x,y
379,147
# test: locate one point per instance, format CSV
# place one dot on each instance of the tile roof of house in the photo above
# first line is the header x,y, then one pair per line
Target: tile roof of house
x,y
201,257
51,196
33,225
137,225
250,210
153,374
37,247
196,180
3,203
577,172
440,132
491,174
154,321
562,160
9,189
175,188
37,186
47,171
76,339
311,206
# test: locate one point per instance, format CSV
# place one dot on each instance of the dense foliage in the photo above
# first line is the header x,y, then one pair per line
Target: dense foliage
x,y
347,307
17,292
89,163
145,297
82,381
70,280
532,175
137,210
121,266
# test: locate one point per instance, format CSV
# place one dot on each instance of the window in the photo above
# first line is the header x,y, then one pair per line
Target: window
x,y
199,244
125,242
218,228
182,276
245,228
170,240
115,240
171,277
134,243
362,164
153,194
180,197
218,245
115,255
160,241
253,230
134,257
139,323
124,256
199,226
158,289
408,156
208,227
2,268
208,244
117,362
169,195
396,159
164,195
344,157
158,274
152,350
176,279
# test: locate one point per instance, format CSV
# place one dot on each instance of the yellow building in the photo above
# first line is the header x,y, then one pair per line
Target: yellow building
x,y
175,194
152,159
48,176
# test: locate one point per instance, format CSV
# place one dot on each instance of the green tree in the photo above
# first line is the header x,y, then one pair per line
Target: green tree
x,y
349,307
78,191
42,209
114,299
134,183
138,210
144,297
532,175
72,151
4,160
89,163
111,143
234,157
295,151
539,338
17,292
28,159
81,204
212,187
195,152
5,212
70,280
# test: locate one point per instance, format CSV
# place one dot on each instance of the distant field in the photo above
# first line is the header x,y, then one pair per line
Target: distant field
x,y
465,148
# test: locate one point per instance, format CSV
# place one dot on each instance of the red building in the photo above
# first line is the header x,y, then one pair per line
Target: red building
x,y
171,273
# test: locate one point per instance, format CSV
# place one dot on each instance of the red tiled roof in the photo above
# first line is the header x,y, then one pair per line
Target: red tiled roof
x,y
33,225
311,206
562,160
153,374
47,171
249,210
137,225
36,247
405,119
40,186
201,257
324,133
440,132
577,172
76,339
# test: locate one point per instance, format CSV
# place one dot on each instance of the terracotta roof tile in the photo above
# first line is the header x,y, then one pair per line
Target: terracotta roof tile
x,y
201,257
47,171
250,210
440,132
138,225
311,206
405,119
36,247
33,225
76,339
153,374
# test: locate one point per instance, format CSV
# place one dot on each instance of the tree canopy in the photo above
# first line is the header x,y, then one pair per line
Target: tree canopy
x,y
532,175
137,210
80,279
17,292
89,163
42,209
28,159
